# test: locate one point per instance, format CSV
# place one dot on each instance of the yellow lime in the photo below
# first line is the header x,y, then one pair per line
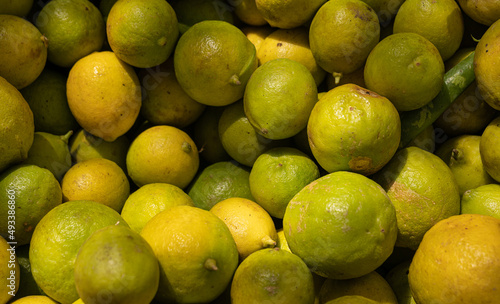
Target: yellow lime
x,y
351,300
483,11
196,252
354,129
99,180
116,264
412,67
9,271
282,242
37,299
142,33
279,98
28,192
288,14
53,250
104,95
342,34
149,200
162,154
47,99
213,61
462,155
484,200
423,190
246,11
219,181
257,34
251,226
74,29
19,8
343,225
205,134
457,261
277,175
164,101
372,286
441,22
84,146
489,149
272,275
292,44
24,51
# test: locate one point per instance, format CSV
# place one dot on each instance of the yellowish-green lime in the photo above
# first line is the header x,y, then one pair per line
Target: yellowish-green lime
x,y
149,200
489,149
483,11
9,271
190,12
74,29
35,299
351,300
484,200
19,8
257,34
246,11
288,14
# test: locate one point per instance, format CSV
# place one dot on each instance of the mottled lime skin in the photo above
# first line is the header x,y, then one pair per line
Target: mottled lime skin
x,y
342,225
354,129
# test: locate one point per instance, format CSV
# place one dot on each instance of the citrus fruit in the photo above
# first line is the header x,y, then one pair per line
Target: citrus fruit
x,y
24,51
74,29
51,152
196,252
397,277
251,226
104,95
457,261
386,10
16,126
36,299
142,33
279,97
107,268
354,129
19,8
485,58
84,146
99,180
292,44
413,67
351,300
288,14
190,12
282,242
164,101
484,200
47,99
205,134
246,11
482,11
343,225
27,285
489,149
441,22
272,275
53,249
462,155
28,193
162,154
372,286
342,34
277,175
423,190
219,181
257,34
239,138
213,61
149,200
9,271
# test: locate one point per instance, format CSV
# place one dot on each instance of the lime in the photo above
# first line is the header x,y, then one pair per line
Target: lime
x,y
343,225
484,200
9,271
142,33
196,252
257,34
74,29
213,61
107,268
251,226
397,277
279,98
19,8
37,299
489,149
190,12
351,300
288,14
246,11
28,192
53,250
162,154
483,11
149,200
277,175
272,275
219,181
27,286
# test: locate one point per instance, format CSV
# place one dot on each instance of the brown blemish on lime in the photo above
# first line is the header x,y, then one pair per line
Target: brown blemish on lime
x,y
360,163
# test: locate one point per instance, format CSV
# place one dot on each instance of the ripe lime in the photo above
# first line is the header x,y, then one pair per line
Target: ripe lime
x,y
288,14
19,8
35,300
9,271
246,11
484,200
483,11
257,34
489,149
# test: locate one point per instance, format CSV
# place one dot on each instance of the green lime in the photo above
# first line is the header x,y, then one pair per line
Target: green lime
x,y
190,12
489,148
484,200
19,8
288,14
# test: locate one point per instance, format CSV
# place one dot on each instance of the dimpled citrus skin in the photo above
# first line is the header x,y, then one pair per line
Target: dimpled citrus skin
x,y
484,200
458,262
343,225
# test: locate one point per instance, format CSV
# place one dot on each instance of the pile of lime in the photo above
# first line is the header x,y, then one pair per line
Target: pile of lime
x,y
250,151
